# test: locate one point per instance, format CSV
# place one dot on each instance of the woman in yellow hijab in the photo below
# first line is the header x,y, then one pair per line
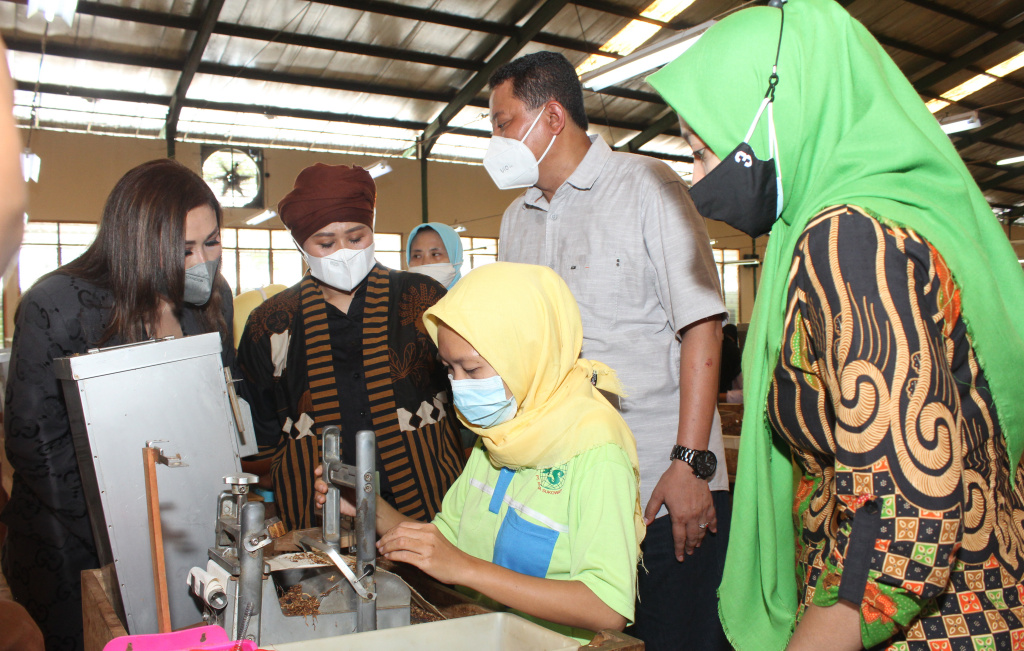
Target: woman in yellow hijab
x,y
545,518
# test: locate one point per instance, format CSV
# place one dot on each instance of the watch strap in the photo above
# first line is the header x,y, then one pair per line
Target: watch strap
x,y
686,455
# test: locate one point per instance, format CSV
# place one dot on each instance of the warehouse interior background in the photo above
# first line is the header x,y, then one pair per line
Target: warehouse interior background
x,y
249,92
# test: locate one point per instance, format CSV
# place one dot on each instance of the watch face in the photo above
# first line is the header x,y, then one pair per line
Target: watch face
x,y
705,464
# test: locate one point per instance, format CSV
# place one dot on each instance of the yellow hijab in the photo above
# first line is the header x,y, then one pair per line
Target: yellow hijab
x,y
525,322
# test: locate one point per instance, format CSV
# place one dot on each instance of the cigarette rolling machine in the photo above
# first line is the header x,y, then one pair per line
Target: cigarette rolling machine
x,y
240,591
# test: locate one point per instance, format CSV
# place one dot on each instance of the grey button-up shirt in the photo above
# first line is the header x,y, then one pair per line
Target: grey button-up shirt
x,y
624,234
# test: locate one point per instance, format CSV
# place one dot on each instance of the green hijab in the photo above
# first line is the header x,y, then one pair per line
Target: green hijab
x,y
851,130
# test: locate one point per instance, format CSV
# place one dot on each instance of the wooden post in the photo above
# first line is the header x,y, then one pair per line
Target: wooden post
x,y
156,540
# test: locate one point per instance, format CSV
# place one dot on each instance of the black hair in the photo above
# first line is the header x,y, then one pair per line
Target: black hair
x,y
541,77
730,330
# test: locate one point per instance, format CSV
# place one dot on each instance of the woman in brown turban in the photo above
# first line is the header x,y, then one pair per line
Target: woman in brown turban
x,y
346,346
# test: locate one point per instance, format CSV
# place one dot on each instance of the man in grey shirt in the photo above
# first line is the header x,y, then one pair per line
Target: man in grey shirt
x,y
623,233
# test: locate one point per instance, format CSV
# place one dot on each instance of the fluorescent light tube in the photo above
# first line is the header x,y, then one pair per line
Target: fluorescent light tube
x,y
380,168
30,164
961,122
53,8
262,217
644,59
459,228
1010,161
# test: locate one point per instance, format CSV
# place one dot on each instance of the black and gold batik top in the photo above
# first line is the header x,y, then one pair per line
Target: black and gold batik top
x,y
905,505
307,365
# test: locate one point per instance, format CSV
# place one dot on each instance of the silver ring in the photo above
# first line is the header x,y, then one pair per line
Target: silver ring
x,y
703,526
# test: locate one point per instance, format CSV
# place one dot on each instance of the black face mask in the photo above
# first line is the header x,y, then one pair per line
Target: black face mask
x,y
743,190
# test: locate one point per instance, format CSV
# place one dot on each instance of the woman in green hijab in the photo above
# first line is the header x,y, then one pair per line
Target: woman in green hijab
x,y
886,346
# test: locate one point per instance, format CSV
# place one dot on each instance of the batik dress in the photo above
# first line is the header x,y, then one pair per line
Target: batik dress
x,y
905,505
307,365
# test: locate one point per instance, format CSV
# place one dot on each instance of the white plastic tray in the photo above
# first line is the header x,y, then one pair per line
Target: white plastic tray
x,y
493,631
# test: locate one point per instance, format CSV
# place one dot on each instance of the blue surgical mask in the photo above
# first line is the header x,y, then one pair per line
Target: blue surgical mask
x,y
483,402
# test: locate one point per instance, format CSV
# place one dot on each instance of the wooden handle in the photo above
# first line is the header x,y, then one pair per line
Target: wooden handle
x,y
235,408
156,541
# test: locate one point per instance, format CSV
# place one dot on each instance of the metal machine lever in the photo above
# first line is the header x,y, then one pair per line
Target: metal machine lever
x,y
340,563
360,478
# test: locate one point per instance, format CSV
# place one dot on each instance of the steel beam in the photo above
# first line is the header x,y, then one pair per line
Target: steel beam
x,y
1008,174
108,56
143,98
195,57
164,100
131,14
508,51
164,63
955,14
965,140
990,46
939,57
162,19
1007,119
349,47
19,44
618,10
663,124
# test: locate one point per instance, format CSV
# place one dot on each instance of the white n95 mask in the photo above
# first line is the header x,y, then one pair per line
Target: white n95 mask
x,y
343,269
510,162
442,272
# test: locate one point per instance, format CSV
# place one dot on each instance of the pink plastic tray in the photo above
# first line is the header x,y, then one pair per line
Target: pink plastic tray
x,y
206,638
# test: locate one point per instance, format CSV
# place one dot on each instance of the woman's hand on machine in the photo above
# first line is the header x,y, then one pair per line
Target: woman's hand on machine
x,y
320,487
422,545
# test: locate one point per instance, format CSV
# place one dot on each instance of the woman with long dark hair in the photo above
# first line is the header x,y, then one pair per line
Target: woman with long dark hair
x,y
150,273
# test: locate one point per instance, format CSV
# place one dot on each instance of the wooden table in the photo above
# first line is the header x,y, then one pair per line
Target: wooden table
x,y
99,618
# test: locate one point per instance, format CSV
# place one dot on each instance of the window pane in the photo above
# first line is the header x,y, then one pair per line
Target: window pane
x,y
34,260
476,261
253,238
387,242
77,234
69,253
485,245
282,240
229,270
40,233
253,269
467,243
731,285
389,259
227,237
287,267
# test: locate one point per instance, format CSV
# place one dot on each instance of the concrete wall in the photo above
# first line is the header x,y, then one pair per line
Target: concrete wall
x,y
78,171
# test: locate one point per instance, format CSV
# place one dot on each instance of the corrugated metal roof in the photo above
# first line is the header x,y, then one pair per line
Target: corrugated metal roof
x,y
369,76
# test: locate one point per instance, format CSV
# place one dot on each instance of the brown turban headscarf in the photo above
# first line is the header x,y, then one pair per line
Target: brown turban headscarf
x,y
325,194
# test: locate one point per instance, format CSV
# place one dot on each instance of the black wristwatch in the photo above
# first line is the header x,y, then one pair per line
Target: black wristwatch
x,y
702,462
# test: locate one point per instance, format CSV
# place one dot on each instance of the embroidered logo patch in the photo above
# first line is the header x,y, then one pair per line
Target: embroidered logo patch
x,y
551,480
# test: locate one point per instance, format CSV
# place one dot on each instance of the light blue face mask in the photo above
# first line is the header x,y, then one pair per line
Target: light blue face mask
x,y
483,402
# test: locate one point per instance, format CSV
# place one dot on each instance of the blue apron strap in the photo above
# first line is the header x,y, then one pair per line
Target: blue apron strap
x,y
504,479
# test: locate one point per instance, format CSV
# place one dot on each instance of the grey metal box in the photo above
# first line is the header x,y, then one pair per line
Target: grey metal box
x,y
119,398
